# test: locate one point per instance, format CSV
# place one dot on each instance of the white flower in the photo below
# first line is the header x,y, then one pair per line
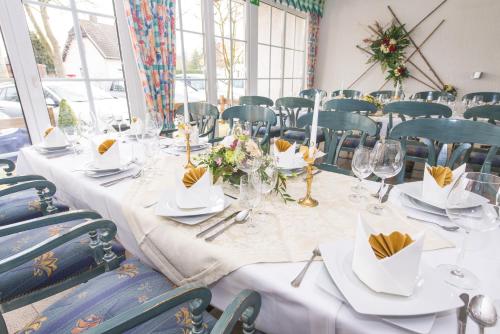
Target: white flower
x,y
393,41
228,141
384,49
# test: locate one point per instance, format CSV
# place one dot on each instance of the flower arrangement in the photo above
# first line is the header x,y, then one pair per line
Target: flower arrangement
x,y
388,48
226,160
373,100
450,89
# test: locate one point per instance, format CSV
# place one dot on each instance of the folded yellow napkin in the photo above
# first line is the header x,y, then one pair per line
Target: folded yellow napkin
x,y
193,175
442,175
387,245
282,145
105,146
309,154
134,119
48,131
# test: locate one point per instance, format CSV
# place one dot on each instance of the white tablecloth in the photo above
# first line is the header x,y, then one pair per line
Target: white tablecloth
x,y
284,309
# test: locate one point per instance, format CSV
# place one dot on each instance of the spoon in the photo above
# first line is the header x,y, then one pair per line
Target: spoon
x,y
483,312
444,227
239,219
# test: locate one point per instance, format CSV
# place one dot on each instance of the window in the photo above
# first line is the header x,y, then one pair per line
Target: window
x,y
194,52
281,51
13,133
77,52
230,48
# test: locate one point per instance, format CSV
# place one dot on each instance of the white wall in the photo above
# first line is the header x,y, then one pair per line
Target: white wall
x,y
468,41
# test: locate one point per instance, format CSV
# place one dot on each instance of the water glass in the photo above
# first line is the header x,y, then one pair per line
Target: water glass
x,y
265,177
361,168
249,199
386,161
473,204
72,135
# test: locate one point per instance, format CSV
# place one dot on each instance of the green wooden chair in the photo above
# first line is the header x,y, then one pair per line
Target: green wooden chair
x,y
348,93
488,97
331,124
311,93
66,266
256,100
350,105
436,133
130,297
432,95
202,114
290,109
8,166
259,117
377,93
488,112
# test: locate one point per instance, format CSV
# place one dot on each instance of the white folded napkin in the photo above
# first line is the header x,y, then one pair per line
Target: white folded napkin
x,y
110,159
289,159
54,137
197,195
432,192
396,274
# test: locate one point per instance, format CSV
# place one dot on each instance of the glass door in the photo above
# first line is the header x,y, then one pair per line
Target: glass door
x,y
13,131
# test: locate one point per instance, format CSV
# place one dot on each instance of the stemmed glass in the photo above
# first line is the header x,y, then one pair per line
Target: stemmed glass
x,y
386,161
473,204
72,135
265,176
249,199
118,119
362,168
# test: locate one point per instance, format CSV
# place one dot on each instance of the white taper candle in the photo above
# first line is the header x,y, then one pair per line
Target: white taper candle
x,y
314,126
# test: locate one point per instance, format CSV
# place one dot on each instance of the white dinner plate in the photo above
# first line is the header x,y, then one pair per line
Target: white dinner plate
x,y
416,204
431,295
193,220
291,171
167,205
43,149
421,324
93,171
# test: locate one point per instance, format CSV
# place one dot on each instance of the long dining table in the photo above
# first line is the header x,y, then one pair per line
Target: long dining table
x,y
285,309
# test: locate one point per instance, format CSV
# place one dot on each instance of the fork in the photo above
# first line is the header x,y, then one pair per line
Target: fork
x,y
113,182
296,282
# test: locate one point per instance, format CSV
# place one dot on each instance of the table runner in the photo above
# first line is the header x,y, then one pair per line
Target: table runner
x,y
288,236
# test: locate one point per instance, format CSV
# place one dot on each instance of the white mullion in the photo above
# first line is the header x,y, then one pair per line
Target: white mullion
x,y
251,48
282,88
209,41
82,79
69,9
22,60
83,59
231,87
270,48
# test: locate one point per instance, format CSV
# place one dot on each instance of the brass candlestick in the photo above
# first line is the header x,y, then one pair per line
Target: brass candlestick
x,y
308,200
188,164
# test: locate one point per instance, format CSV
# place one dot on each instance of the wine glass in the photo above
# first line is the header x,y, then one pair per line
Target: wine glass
x,y
265,176
386,161
249,199
118,120
473,204
251,155
362,168
72,135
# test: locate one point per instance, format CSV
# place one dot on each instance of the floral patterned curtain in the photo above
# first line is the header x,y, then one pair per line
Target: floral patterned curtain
x,y
152,30
312,47
308,6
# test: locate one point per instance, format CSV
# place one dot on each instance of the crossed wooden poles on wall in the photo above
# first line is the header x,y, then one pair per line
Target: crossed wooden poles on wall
x,y
418,49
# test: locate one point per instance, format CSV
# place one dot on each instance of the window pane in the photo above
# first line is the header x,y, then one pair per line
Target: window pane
x,y
196,90
300,29
191,15
238,19
195,59
263,61
238,60
264,23
288,87
297,86
54,43
221,18
276,62
275,87
100,6
238,88
288,63
263,87
222,57
298,68
13,133
290,30
224,89
102,49
278,20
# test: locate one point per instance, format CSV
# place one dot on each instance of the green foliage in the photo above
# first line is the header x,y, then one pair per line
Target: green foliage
x,y
67,116
42,53
195,64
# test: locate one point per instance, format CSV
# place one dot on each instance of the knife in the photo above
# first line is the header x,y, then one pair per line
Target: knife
x,y
462,314
202,233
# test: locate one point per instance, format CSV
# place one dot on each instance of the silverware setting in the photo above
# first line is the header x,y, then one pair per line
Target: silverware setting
x,y
387,192
444,227
207,230
483,312
462,314
296,282
150,204
240,218
115,181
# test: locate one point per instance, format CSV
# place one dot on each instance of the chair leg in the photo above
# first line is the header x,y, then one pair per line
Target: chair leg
x,y
248,325
197,317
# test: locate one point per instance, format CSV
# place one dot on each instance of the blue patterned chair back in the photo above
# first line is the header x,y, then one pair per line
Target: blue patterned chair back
x,y
205,116
489,112
256,100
